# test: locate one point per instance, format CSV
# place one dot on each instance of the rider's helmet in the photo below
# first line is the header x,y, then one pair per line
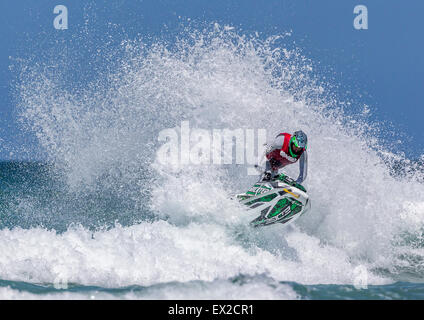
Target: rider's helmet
x,y
298,140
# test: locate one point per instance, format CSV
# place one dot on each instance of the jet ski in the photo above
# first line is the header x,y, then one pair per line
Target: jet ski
x,y
277,200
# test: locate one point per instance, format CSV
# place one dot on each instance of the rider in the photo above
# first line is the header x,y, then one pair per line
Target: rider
x,y
284,150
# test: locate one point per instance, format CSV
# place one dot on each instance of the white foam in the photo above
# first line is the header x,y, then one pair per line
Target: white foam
x,y
159,252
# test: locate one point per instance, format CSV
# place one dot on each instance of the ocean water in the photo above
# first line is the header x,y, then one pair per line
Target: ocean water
x,y
101,218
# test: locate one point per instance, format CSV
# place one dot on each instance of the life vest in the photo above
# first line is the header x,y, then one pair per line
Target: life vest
x,y
282,157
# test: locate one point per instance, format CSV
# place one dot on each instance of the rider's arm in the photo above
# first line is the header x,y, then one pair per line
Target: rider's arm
x,y
303,167
276,144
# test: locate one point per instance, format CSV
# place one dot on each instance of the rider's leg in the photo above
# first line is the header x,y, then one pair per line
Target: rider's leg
x,y
272,172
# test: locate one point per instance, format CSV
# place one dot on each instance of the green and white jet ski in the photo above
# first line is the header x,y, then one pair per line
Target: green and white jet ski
x,y
280,200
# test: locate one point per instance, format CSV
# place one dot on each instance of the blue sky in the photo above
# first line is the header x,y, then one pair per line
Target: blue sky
x,y
382,66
